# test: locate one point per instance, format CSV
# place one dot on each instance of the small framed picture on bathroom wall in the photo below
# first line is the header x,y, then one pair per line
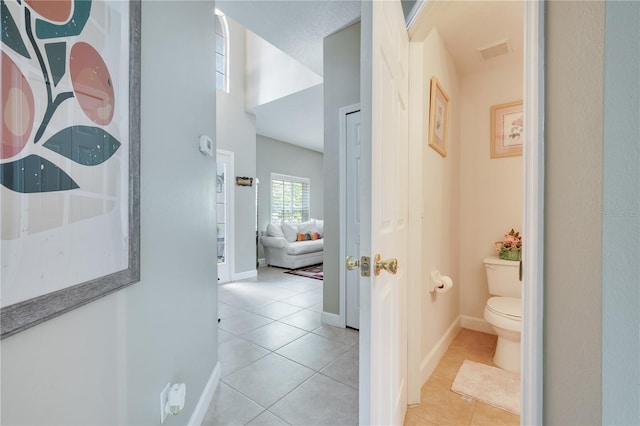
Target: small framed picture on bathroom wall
x,y
507,133
438,118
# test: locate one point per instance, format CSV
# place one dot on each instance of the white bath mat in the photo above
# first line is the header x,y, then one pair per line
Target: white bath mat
x,y
490,385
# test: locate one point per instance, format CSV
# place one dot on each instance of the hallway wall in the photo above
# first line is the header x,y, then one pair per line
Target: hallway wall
x,y
236,132
341,89
574,74
106,362
592,201
621,221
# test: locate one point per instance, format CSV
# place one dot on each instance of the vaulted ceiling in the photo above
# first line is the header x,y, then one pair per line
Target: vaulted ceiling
x,y
295,27
299,27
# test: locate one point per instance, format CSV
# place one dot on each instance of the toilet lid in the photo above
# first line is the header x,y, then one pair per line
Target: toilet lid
x,y
505,306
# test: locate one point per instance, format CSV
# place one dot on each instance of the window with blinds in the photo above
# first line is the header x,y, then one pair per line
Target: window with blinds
x,y
290,199
222,54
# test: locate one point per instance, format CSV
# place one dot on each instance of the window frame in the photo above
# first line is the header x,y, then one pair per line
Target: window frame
x,y
292,179
221,21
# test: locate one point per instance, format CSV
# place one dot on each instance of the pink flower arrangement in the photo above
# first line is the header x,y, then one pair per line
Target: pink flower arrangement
x,y
511,247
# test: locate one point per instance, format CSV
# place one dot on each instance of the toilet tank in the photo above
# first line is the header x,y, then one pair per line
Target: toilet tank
x,y
503,277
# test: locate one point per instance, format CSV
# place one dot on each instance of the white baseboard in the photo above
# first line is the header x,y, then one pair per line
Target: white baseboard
x,y
432,359
332,319
262,262
205,398
430,362
244,275
477,324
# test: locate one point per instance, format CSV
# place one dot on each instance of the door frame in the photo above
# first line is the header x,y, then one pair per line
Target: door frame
x,y
531,381
533,225
343,112
229,211
531,384
352,291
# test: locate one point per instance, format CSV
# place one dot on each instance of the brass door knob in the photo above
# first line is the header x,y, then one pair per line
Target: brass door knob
x,y
352,263
389,265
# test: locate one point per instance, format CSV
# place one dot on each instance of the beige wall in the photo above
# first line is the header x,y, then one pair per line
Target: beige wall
x,y
573,212
440,190
491,191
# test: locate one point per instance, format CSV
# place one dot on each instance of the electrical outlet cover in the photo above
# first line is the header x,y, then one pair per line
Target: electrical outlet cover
x,y
164,396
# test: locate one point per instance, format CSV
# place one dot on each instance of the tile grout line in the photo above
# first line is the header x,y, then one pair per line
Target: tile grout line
x,y
349,347
315,373
344,343
469,349
266,410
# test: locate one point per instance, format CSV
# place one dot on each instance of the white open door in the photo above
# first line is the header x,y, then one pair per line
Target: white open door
x,y
383,192
225,214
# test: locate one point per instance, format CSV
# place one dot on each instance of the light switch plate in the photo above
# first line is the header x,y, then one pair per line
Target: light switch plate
x,y
206,145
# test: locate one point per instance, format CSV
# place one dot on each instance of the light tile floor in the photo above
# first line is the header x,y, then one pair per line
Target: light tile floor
x,y
280,365
440,406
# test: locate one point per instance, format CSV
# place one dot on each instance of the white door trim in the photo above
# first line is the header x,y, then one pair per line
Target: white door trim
x,y
353,149
415,259
533,290
343,112
230,211
415,12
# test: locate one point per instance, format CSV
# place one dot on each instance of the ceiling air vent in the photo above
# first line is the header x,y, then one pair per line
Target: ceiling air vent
x,y
493,50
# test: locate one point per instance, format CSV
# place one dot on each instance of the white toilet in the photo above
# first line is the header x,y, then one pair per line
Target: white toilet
x,y
504,310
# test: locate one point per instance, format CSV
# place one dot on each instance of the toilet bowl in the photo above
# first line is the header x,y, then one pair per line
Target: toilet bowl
x,y
503,310
504,315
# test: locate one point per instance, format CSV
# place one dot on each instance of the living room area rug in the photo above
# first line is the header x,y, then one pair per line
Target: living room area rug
x,y
313,271
488,384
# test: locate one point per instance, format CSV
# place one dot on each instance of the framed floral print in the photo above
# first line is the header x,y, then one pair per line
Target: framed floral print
x,y
506,130
438,118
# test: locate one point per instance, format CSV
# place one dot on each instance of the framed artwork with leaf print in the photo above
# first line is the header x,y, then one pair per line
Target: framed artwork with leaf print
x,y
69,155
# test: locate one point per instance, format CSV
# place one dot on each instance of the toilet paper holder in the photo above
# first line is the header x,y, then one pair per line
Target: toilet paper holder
x,y
439,283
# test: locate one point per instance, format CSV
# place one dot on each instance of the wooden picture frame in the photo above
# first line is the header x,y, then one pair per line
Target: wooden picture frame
x,y
87,151
507,131
438,118
244,181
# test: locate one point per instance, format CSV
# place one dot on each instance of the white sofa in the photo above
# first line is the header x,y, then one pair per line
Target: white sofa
x,y
282,247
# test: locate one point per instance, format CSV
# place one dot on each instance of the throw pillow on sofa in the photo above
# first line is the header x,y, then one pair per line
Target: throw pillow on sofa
x,y
290,231
309,236
274,230
308,227
320,227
